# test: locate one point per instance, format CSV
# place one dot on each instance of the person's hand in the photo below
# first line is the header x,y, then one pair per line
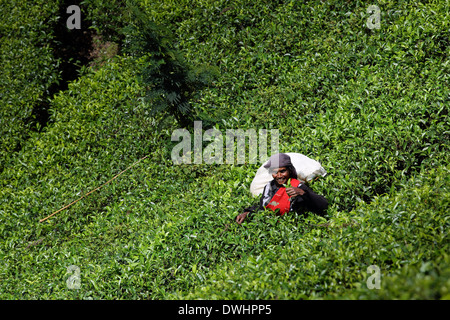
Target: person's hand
x,y
293,192
240,218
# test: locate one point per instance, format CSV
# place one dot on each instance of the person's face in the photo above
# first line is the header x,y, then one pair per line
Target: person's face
x,y
280,175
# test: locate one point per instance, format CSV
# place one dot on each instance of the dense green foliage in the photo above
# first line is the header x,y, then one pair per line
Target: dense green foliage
x,y
171,84
28,69
370,105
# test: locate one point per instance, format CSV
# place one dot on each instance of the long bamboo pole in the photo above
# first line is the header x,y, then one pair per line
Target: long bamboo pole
x,y
42,220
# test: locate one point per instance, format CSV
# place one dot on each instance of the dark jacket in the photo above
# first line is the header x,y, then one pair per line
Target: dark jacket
x,y
310,201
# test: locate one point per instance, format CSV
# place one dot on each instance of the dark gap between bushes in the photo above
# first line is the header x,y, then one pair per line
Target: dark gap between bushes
x,y
74,48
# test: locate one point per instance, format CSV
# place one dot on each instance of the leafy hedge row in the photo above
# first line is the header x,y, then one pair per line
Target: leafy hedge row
x,y
371,104
374,113
29,69
405,234
77,152
73,156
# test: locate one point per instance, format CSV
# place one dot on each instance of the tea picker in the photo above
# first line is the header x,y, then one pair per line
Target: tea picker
x,y
270,183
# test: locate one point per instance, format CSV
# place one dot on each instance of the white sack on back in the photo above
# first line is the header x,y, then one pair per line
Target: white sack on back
x,y
307,169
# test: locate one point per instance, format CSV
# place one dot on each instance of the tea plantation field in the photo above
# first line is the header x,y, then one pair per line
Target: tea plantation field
x,y
369,102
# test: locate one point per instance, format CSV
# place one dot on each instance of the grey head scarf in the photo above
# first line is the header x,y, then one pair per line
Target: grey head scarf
x,y
281,160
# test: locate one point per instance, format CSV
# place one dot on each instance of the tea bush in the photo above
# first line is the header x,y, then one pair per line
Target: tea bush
x,y
29,69
404,234
370,105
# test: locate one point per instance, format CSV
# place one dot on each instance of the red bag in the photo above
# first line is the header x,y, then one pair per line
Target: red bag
x,y
280,199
